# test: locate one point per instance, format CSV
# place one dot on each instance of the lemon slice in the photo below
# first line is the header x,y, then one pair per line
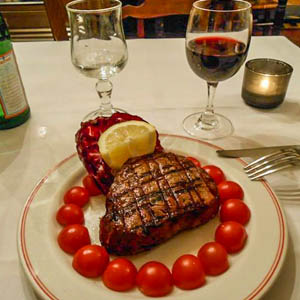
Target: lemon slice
x,y
125,140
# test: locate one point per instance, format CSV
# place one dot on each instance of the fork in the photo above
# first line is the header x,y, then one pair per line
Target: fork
x,y
271,163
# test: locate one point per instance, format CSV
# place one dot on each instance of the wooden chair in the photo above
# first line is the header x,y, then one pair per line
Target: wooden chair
x,y
152,9
58,18
149,9
268,16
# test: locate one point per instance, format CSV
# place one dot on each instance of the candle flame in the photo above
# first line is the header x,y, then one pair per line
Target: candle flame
x,y
265,83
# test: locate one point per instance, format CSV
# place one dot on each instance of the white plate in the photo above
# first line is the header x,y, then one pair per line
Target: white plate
x,y
251,273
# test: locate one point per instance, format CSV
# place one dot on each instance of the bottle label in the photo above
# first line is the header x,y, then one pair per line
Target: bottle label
x,y
12,96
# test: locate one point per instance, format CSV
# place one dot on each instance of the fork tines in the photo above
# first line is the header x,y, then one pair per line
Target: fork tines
x,y
271,163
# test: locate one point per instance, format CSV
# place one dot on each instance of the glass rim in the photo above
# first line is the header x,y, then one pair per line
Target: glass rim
x,y
90,11
248,6
250,68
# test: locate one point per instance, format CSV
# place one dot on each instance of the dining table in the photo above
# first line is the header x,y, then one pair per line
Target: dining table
x,y
158,85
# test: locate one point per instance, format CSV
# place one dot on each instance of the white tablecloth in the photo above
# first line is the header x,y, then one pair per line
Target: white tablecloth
x,y
158,85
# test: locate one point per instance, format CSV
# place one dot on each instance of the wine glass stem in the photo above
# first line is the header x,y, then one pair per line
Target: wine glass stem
x,y
104,89
208,120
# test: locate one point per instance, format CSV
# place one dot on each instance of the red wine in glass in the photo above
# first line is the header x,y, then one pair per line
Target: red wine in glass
x,y
215,58
217,41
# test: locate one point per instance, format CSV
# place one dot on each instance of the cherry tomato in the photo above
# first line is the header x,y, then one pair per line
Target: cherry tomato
x,y
231,235
229,189
70,214
195,161
77,195
89,183
120,275
215,173
154,279
90,261
73,237
214,258
235,210
188,272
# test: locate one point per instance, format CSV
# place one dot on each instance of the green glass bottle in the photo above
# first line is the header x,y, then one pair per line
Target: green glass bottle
x,y
14,108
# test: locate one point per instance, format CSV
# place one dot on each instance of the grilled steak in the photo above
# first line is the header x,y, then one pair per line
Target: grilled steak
x,y
154,197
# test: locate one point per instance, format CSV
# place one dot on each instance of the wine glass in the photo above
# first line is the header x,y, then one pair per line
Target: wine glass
x,y
217,42
98,46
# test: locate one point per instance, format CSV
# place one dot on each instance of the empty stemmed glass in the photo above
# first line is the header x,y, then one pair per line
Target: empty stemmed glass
x,y
217,42
98,46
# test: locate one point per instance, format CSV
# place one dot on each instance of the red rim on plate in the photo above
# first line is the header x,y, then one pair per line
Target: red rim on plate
x,y
261,288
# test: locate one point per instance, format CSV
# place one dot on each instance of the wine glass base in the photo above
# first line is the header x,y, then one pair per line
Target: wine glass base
x,y
221,128
102,113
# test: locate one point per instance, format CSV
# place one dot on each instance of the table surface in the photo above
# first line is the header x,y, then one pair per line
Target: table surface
x,y
157,82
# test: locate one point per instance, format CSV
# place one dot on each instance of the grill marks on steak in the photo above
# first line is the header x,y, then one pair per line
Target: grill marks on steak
x,y
152,198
